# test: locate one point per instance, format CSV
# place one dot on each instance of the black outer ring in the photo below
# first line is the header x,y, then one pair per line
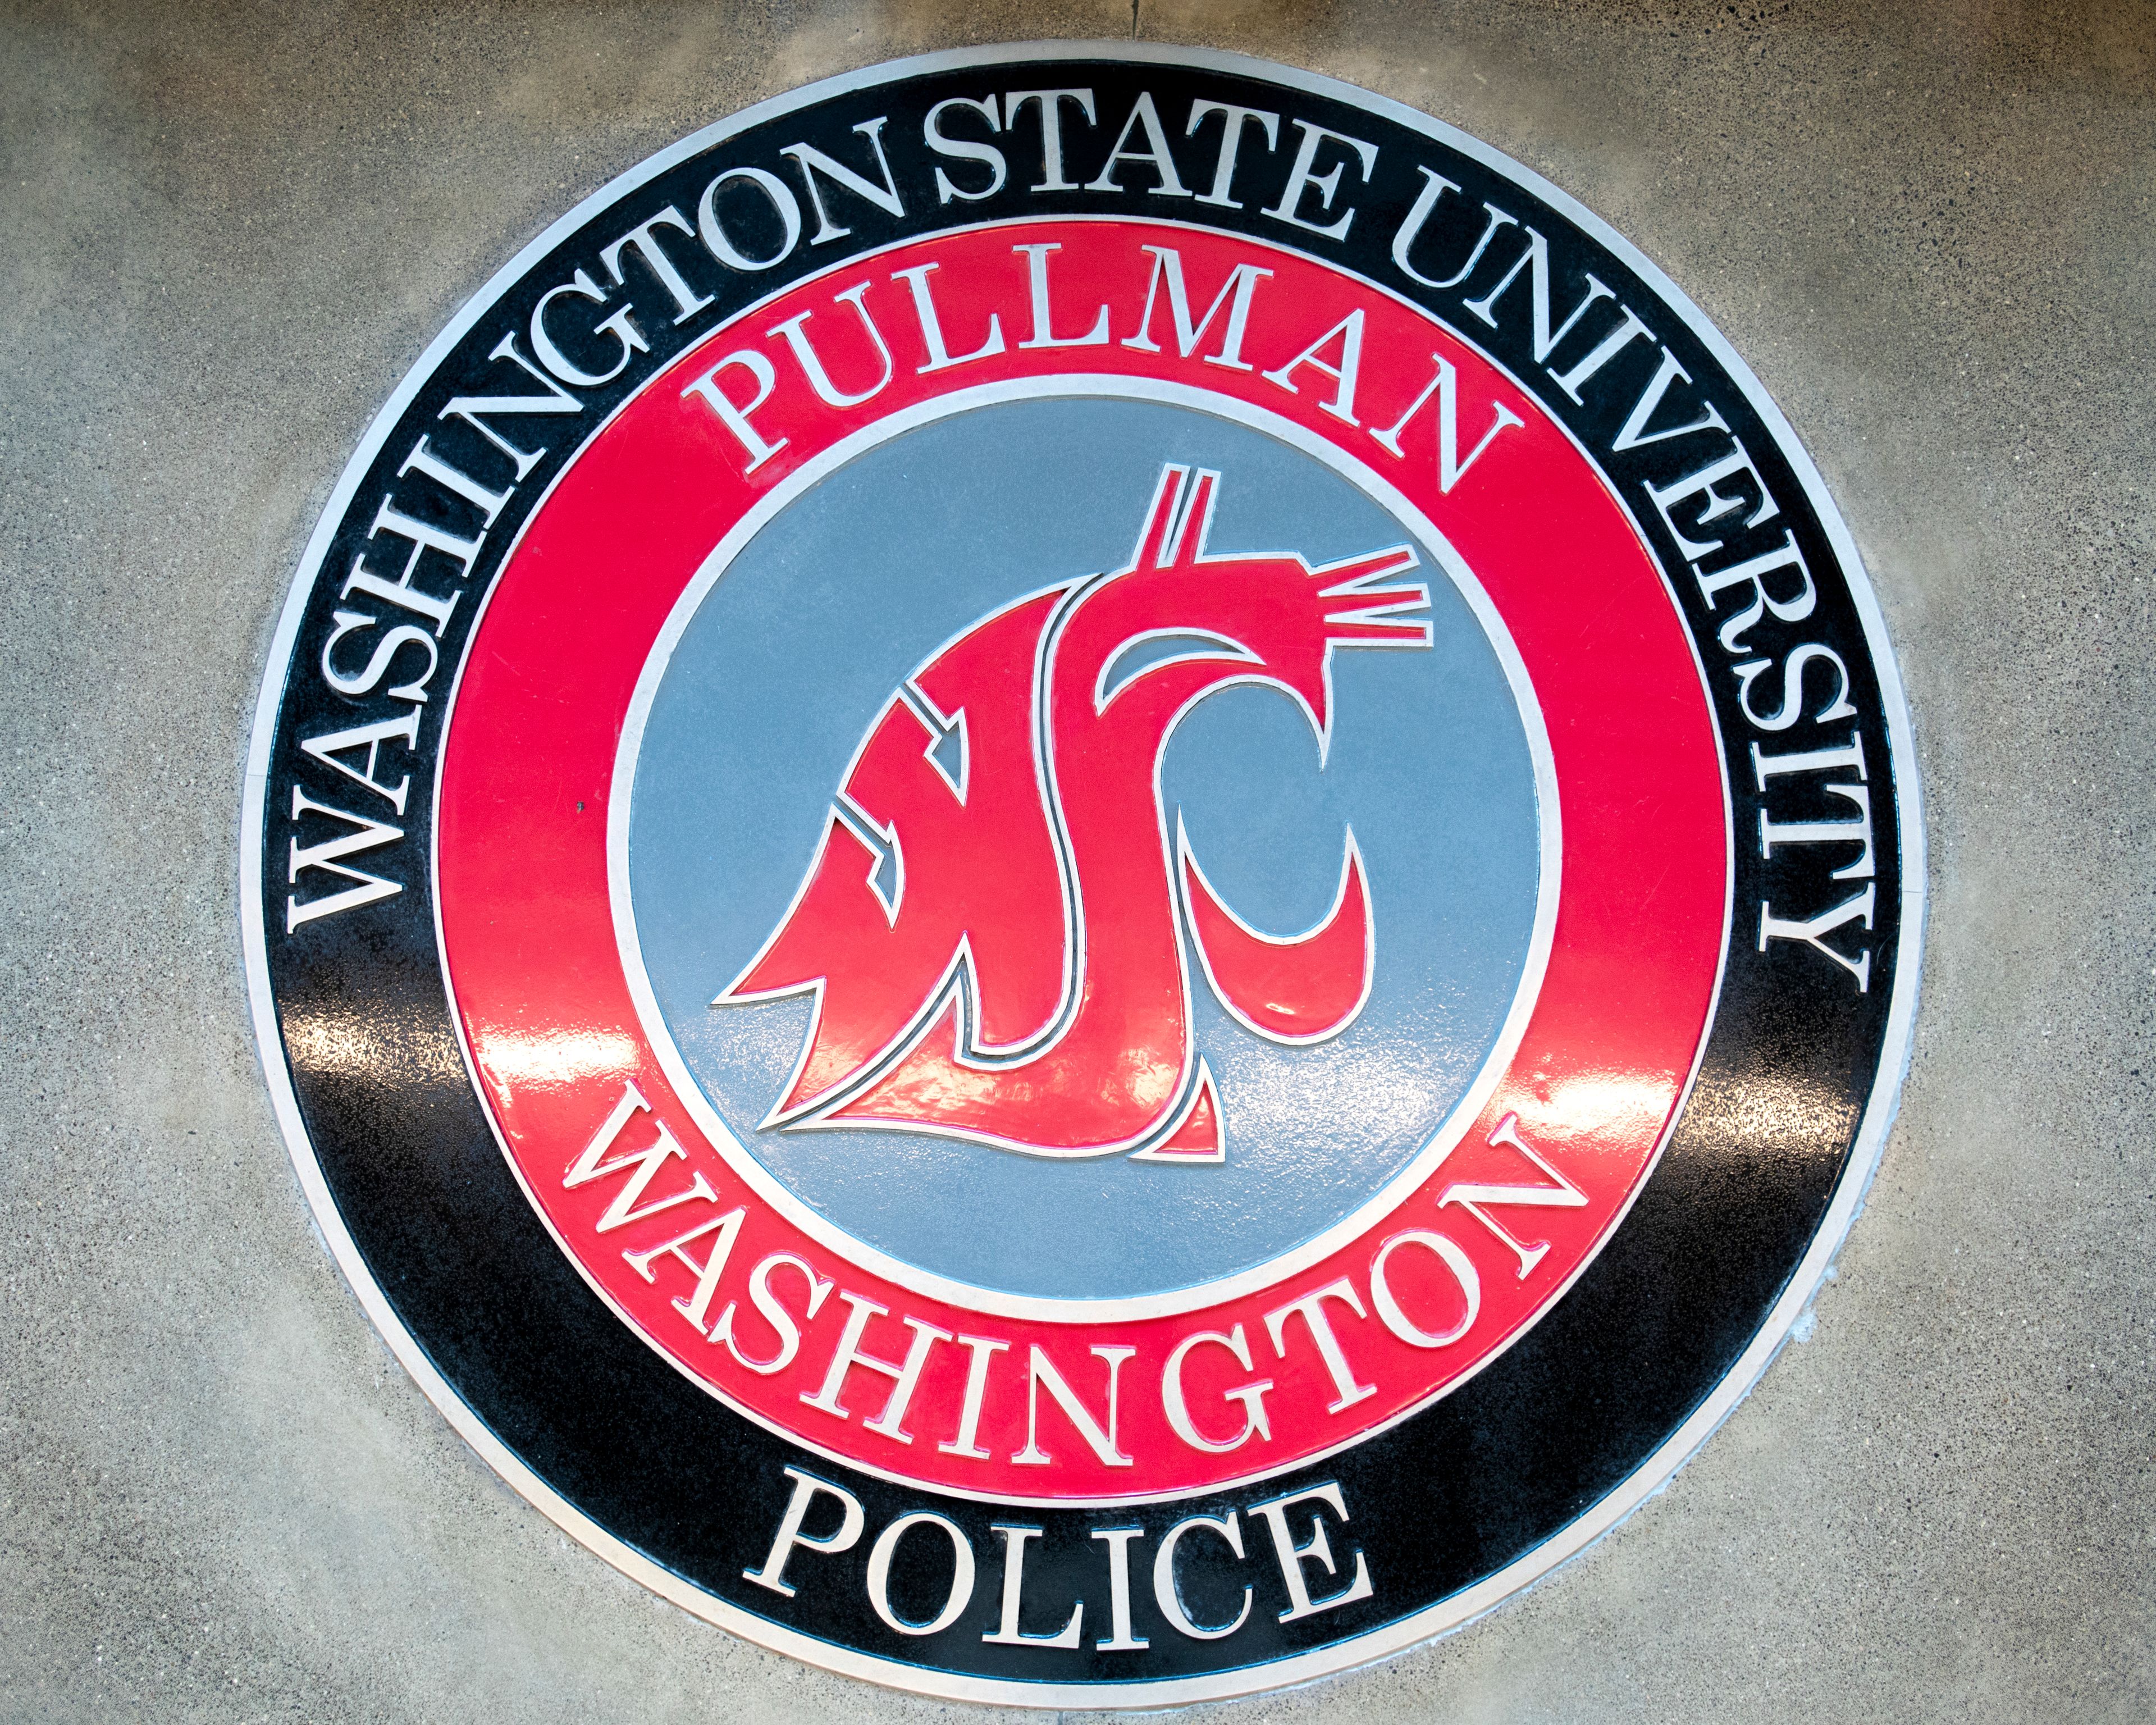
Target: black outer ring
x,y
1439,1502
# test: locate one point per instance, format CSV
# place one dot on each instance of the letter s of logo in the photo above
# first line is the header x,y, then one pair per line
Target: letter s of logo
x,y
993,924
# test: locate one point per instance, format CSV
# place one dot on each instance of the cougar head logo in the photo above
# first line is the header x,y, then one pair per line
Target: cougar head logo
x,y
992,923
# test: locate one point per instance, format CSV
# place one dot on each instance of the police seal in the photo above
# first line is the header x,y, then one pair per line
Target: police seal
x,y
1082,876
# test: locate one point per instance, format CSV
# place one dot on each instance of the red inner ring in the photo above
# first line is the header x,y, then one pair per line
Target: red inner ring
x,y
523,874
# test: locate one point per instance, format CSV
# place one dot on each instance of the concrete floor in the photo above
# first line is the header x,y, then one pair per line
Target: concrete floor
x,y
225,232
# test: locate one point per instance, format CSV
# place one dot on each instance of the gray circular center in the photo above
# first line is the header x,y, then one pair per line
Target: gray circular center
x,y
791,658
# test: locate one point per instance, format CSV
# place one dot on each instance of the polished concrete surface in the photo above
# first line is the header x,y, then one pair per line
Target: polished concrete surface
x,y
225,232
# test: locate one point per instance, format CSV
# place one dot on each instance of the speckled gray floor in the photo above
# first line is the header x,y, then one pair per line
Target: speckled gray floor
x,y
225,232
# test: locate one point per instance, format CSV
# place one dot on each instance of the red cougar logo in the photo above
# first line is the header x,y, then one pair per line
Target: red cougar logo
x,y
993,924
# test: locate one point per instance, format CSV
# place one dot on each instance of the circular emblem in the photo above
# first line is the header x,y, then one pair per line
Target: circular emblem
x,y
1082,876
